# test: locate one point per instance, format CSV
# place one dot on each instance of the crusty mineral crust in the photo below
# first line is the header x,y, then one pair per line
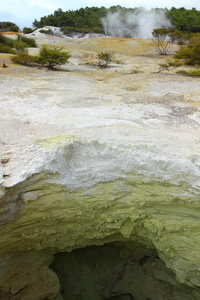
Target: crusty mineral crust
x,y
92,156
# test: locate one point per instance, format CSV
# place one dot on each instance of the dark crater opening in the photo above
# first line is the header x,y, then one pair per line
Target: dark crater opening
x,y
117,271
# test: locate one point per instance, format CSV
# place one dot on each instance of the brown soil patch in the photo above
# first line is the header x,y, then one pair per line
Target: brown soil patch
x,y
124,46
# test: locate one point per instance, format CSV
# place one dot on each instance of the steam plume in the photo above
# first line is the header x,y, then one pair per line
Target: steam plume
x,y
137,24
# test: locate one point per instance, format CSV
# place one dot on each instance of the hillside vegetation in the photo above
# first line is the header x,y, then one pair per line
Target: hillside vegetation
x,y
8,45
88,19
8,26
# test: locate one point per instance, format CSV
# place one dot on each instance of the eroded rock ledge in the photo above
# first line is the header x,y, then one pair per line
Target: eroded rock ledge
x,y
112,210
131,212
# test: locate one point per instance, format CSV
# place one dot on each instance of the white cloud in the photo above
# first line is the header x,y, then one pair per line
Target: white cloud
x,y
45,4
22,12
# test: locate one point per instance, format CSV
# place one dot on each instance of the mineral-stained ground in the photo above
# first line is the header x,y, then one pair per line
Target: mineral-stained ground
x,y
99,177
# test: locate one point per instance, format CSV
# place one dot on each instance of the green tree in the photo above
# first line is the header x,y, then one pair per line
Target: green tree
x,y
162,41
52,56
185,20
84,18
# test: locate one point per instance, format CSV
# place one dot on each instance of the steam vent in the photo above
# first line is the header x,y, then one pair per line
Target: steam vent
x,y
100,178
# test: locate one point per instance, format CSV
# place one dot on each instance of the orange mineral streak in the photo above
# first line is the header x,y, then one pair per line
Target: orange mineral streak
x,y
9,33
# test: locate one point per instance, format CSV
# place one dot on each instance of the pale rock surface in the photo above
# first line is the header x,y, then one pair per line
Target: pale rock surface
x,y
92,156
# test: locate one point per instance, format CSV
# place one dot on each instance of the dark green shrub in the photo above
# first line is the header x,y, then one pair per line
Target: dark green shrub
x,y
170,65
52,56
30,42
176,35
184,53
181,43
10,42
6,45
8,26
104,59
3,39
6,41
191,73
27,30
47,31
71,30
191,52
20,46
175,63
6,49
49,57
25,59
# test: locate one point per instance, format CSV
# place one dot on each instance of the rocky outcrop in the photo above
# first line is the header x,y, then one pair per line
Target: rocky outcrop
x,y
99,179
71,193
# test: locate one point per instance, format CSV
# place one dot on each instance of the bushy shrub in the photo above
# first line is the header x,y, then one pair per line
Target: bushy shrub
x,y
30,42
6,41
52,56
49,57
175,63
27,30
6,45
2,39
10,42
191,73
170,65
69,31
46,31
104,59
6,49
135,71
8,26
24,59
176,35
20,46
191,52
162,40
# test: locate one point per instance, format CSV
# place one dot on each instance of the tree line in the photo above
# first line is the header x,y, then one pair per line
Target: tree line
x,y
88,19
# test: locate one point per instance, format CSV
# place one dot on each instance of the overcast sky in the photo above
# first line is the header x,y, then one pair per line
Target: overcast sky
x,y
24,12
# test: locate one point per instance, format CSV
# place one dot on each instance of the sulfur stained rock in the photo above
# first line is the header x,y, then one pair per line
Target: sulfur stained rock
x,y
97,162
72,193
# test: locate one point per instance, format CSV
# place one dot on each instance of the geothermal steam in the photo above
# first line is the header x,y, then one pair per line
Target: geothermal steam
x,y
137,24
